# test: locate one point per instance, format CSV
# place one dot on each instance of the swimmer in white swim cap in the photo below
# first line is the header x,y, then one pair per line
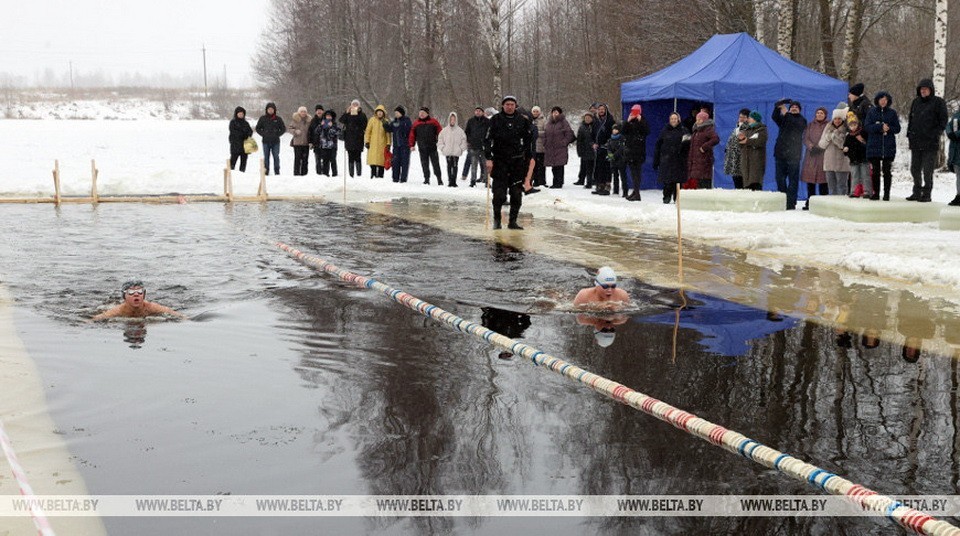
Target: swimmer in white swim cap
x,y
604,293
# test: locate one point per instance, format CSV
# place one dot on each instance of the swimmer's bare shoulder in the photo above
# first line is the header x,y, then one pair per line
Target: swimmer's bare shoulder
x,y
149,309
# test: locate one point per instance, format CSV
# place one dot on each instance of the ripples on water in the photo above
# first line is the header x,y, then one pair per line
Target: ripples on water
x,y
290,382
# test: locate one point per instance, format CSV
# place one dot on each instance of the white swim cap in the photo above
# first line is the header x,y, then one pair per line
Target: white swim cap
x,y
606,276
604,338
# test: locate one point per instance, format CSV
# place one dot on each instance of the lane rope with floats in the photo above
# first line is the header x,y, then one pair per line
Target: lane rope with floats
x,y
730,440
36,511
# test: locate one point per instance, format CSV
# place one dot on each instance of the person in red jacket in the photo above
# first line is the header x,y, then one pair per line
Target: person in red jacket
x,y
700,159
424,135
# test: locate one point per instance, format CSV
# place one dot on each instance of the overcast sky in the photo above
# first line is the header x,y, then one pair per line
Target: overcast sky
x,y
118,37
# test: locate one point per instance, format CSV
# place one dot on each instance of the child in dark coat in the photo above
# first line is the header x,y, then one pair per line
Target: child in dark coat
x,y
616,146
855,147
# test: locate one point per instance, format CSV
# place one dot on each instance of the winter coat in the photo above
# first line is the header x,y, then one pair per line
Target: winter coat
x,y
557,136
508,138
239,131
300,128
616,147
812,171
325,134
880,145
586,134
452,140
953,134
928,117
856,149
424,134
635,132
789,144
831,142
354,127
861,107
731,158
670,155
700,158
400,128
541,124
753,158
270,127
476,130
376,138
602,130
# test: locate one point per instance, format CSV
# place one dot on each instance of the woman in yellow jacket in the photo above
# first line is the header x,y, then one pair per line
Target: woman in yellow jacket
x,y
376,139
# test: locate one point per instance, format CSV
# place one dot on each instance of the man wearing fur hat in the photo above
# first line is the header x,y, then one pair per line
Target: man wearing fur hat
x,y
789,148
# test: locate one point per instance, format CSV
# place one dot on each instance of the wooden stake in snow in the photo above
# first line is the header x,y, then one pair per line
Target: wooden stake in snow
x,y
56,182
228,182
93,182
262,190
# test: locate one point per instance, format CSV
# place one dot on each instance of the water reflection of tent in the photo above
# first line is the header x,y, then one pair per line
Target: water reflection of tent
x,y
726,326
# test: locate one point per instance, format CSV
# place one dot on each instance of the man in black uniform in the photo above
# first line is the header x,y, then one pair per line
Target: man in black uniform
x,y
509,152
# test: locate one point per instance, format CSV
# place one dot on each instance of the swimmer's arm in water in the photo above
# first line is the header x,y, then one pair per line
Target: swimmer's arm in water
x,y
583,297
113,312
157,309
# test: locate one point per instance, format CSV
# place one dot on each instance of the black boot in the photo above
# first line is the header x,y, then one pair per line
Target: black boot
x,y
955,202
514,225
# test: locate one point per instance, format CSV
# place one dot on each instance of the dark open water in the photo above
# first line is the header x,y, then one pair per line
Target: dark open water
x,y
292,383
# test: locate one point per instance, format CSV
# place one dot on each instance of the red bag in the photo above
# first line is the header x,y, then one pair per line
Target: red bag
x,y
387,157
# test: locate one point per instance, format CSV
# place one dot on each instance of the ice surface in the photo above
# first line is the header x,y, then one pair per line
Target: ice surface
x,y
732,200
865,210
950,219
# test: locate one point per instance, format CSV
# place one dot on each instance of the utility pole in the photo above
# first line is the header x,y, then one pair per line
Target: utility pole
x,y
224,76
71,75
204,70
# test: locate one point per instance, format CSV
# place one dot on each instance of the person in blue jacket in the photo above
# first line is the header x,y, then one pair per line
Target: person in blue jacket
x,y
882,126
400,129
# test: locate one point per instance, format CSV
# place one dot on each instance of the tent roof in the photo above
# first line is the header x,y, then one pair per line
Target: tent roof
x,y
724,69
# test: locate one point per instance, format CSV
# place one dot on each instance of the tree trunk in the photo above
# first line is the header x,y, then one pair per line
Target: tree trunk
x,y
785,28
826,39
441,46
406,52
495,44
851,49
758,13
940,63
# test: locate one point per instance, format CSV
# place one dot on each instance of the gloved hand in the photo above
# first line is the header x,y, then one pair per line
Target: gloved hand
x,y
367,145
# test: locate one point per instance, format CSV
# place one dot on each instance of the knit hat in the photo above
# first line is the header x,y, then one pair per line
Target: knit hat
x,y
479,108
536,109
557,109
857,89
755,115
702,116
401,109
635,110
318,107
852,119
793,103
302,109
425,109
508,98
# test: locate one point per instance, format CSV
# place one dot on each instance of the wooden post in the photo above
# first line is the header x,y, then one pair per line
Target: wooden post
x,y
56,182
93,182
228,182
262,190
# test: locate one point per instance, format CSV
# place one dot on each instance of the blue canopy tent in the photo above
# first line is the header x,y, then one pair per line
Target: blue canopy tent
x,y
727,73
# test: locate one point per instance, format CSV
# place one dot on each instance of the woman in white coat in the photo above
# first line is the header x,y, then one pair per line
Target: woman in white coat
x,y
452,143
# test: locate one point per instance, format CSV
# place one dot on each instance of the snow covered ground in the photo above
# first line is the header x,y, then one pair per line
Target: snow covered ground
x,y
155,156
